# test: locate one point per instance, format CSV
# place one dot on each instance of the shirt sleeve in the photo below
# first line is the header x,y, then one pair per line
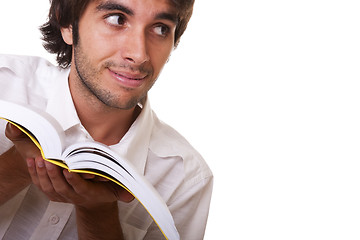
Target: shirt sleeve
x,y
5,143
7,87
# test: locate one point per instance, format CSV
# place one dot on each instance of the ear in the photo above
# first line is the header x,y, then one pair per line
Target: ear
x,y
67,35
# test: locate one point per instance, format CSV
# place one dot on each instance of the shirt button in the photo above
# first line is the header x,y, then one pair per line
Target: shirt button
x,y
54,219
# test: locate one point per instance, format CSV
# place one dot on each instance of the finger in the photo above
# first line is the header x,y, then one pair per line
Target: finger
x,y
45,183
22,142
82,188
95,192
89,189
87,176
124,196
59,182
101,179
76,181
43,178
121,193
32,171
13,133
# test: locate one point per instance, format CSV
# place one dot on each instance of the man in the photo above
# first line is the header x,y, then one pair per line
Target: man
x,y
115,50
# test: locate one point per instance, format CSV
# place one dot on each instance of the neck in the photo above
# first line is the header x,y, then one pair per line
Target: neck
x,y
107,127
105,124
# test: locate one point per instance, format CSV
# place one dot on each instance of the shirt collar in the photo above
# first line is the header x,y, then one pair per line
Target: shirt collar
x,y
60,104
133,146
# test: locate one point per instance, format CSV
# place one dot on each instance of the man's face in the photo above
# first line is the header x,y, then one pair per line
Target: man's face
x,y
122,47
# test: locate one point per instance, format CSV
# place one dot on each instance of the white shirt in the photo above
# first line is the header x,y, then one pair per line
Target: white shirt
x,y
157,151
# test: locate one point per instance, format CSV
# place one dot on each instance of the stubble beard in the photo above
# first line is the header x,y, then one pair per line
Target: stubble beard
x,y
89,77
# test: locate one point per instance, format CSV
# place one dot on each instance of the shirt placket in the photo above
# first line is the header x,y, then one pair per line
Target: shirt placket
x,y
53,221
8,211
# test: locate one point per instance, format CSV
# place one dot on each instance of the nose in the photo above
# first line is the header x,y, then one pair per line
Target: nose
x,y
135,49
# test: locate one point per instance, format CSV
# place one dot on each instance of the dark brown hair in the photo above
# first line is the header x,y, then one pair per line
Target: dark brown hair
x,y
64,13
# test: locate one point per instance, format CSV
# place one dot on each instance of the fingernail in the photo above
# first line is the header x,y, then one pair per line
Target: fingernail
x,y
40,163
30,162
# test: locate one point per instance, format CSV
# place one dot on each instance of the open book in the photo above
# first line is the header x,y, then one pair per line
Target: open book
x,y
88,157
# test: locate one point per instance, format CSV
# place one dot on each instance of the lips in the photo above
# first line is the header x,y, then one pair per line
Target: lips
x,y
128,79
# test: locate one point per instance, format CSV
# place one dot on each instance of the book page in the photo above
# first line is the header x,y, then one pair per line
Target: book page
x,y
43,129
99,159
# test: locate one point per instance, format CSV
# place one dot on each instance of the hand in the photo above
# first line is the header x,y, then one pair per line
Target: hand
x,y
63,186
59,184
14,175
23,144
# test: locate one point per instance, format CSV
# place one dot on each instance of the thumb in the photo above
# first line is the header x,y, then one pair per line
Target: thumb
x,y
124,196
13,133
22,142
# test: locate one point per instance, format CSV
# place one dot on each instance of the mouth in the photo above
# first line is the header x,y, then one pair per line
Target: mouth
x,y
128,79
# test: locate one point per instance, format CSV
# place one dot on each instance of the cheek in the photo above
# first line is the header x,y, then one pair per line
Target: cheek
x,y
159,58
95,43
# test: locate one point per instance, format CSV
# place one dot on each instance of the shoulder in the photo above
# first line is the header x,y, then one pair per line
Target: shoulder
x,y
167,142
22,63
28,79
28,67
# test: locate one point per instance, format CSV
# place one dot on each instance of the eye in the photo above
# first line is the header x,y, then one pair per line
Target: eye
x,y
116,20
161,30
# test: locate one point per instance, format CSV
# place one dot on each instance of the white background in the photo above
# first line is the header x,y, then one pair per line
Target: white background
x,y
268,92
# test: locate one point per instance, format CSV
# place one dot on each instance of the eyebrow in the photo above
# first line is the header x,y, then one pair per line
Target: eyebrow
x,y
111,6
168,16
